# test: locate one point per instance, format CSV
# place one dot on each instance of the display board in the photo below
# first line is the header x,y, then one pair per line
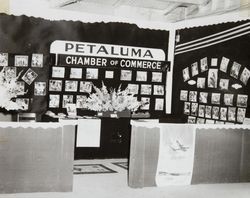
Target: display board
x,y
212,73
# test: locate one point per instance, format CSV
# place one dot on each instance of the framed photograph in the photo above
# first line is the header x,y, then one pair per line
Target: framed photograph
x,y
208,111
55,85
91,73
71,109
159,104
184,95
194,109
223,113
203,97
156,77
215,98
133,88
244,77
214,62
159,90
29,76
20,87
242,100
21,60
54,101
109,74
215,112
194,69
58,72
185,74
232,114
228,99
187,106
146,102
201,112
146,89
37,60
224,64
40,89
193,96
200,121
141,76
86,86
212,80
81,101
23,103
71,85
219,122
204,65
191,120
241,113
9,72
4,59
201,83
76,73
126,75
223,84
67,99
208,121
235,70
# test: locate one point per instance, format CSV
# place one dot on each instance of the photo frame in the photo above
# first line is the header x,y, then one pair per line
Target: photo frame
x,y
241,114
209,121
58,72
203,97
67,99
86,86
21,87
194,69
146,89
159,104
244,77
71,85
29,76
200,121
212,80
159,90
223,113
146,101
55,85
40,89
9,72
4,59
224,64
214,62
186,108
133,88
203,64
126,75
223,84
208,111
232,114
141,76
54,101
71,109
194,109
75,73
37,60
109,74
23,103
81,101
216,112
228,99
21,60
235,70
191,120
183,95
185,74
201,111
91,73
201,83
242,100
215,98
193,96
156,77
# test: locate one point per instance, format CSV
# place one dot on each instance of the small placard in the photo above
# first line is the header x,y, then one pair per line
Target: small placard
x,y
113,115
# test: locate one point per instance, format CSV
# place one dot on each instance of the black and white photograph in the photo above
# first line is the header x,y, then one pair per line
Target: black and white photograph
x,y
228,99
71,85
193,96
203,97
67,99
184,95
215,112
21,61
141,76
23,103
223,84
133,88
4,59
224,64
146,102
37,60
29,76
212,80
244,77
159,90
242,100
71,109
91,73
159,104
21,87
201,83
146,89
201,112
40,89
109,74
204,64
76,73
215,98
200,121
81,101
186,108
156,76
54,101
214,62
55,85
9,72
209,121
208,111
191,120
223,113
194,69
185,74
126,75
85,86
194,109
241,114
58,72
235,70
231,114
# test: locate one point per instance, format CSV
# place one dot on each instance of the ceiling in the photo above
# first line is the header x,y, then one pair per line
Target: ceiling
x,y
153,10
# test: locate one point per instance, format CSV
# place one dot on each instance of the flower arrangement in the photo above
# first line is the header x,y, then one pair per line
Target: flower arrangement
x,y
8,90
112,100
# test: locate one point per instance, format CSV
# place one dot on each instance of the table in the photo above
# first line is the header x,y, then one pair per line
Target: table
x,y
181,154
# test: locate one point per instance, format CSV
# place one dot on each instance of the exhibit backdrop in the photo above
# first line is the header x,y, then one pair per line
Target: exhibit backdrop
x,y
211,73
25,51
